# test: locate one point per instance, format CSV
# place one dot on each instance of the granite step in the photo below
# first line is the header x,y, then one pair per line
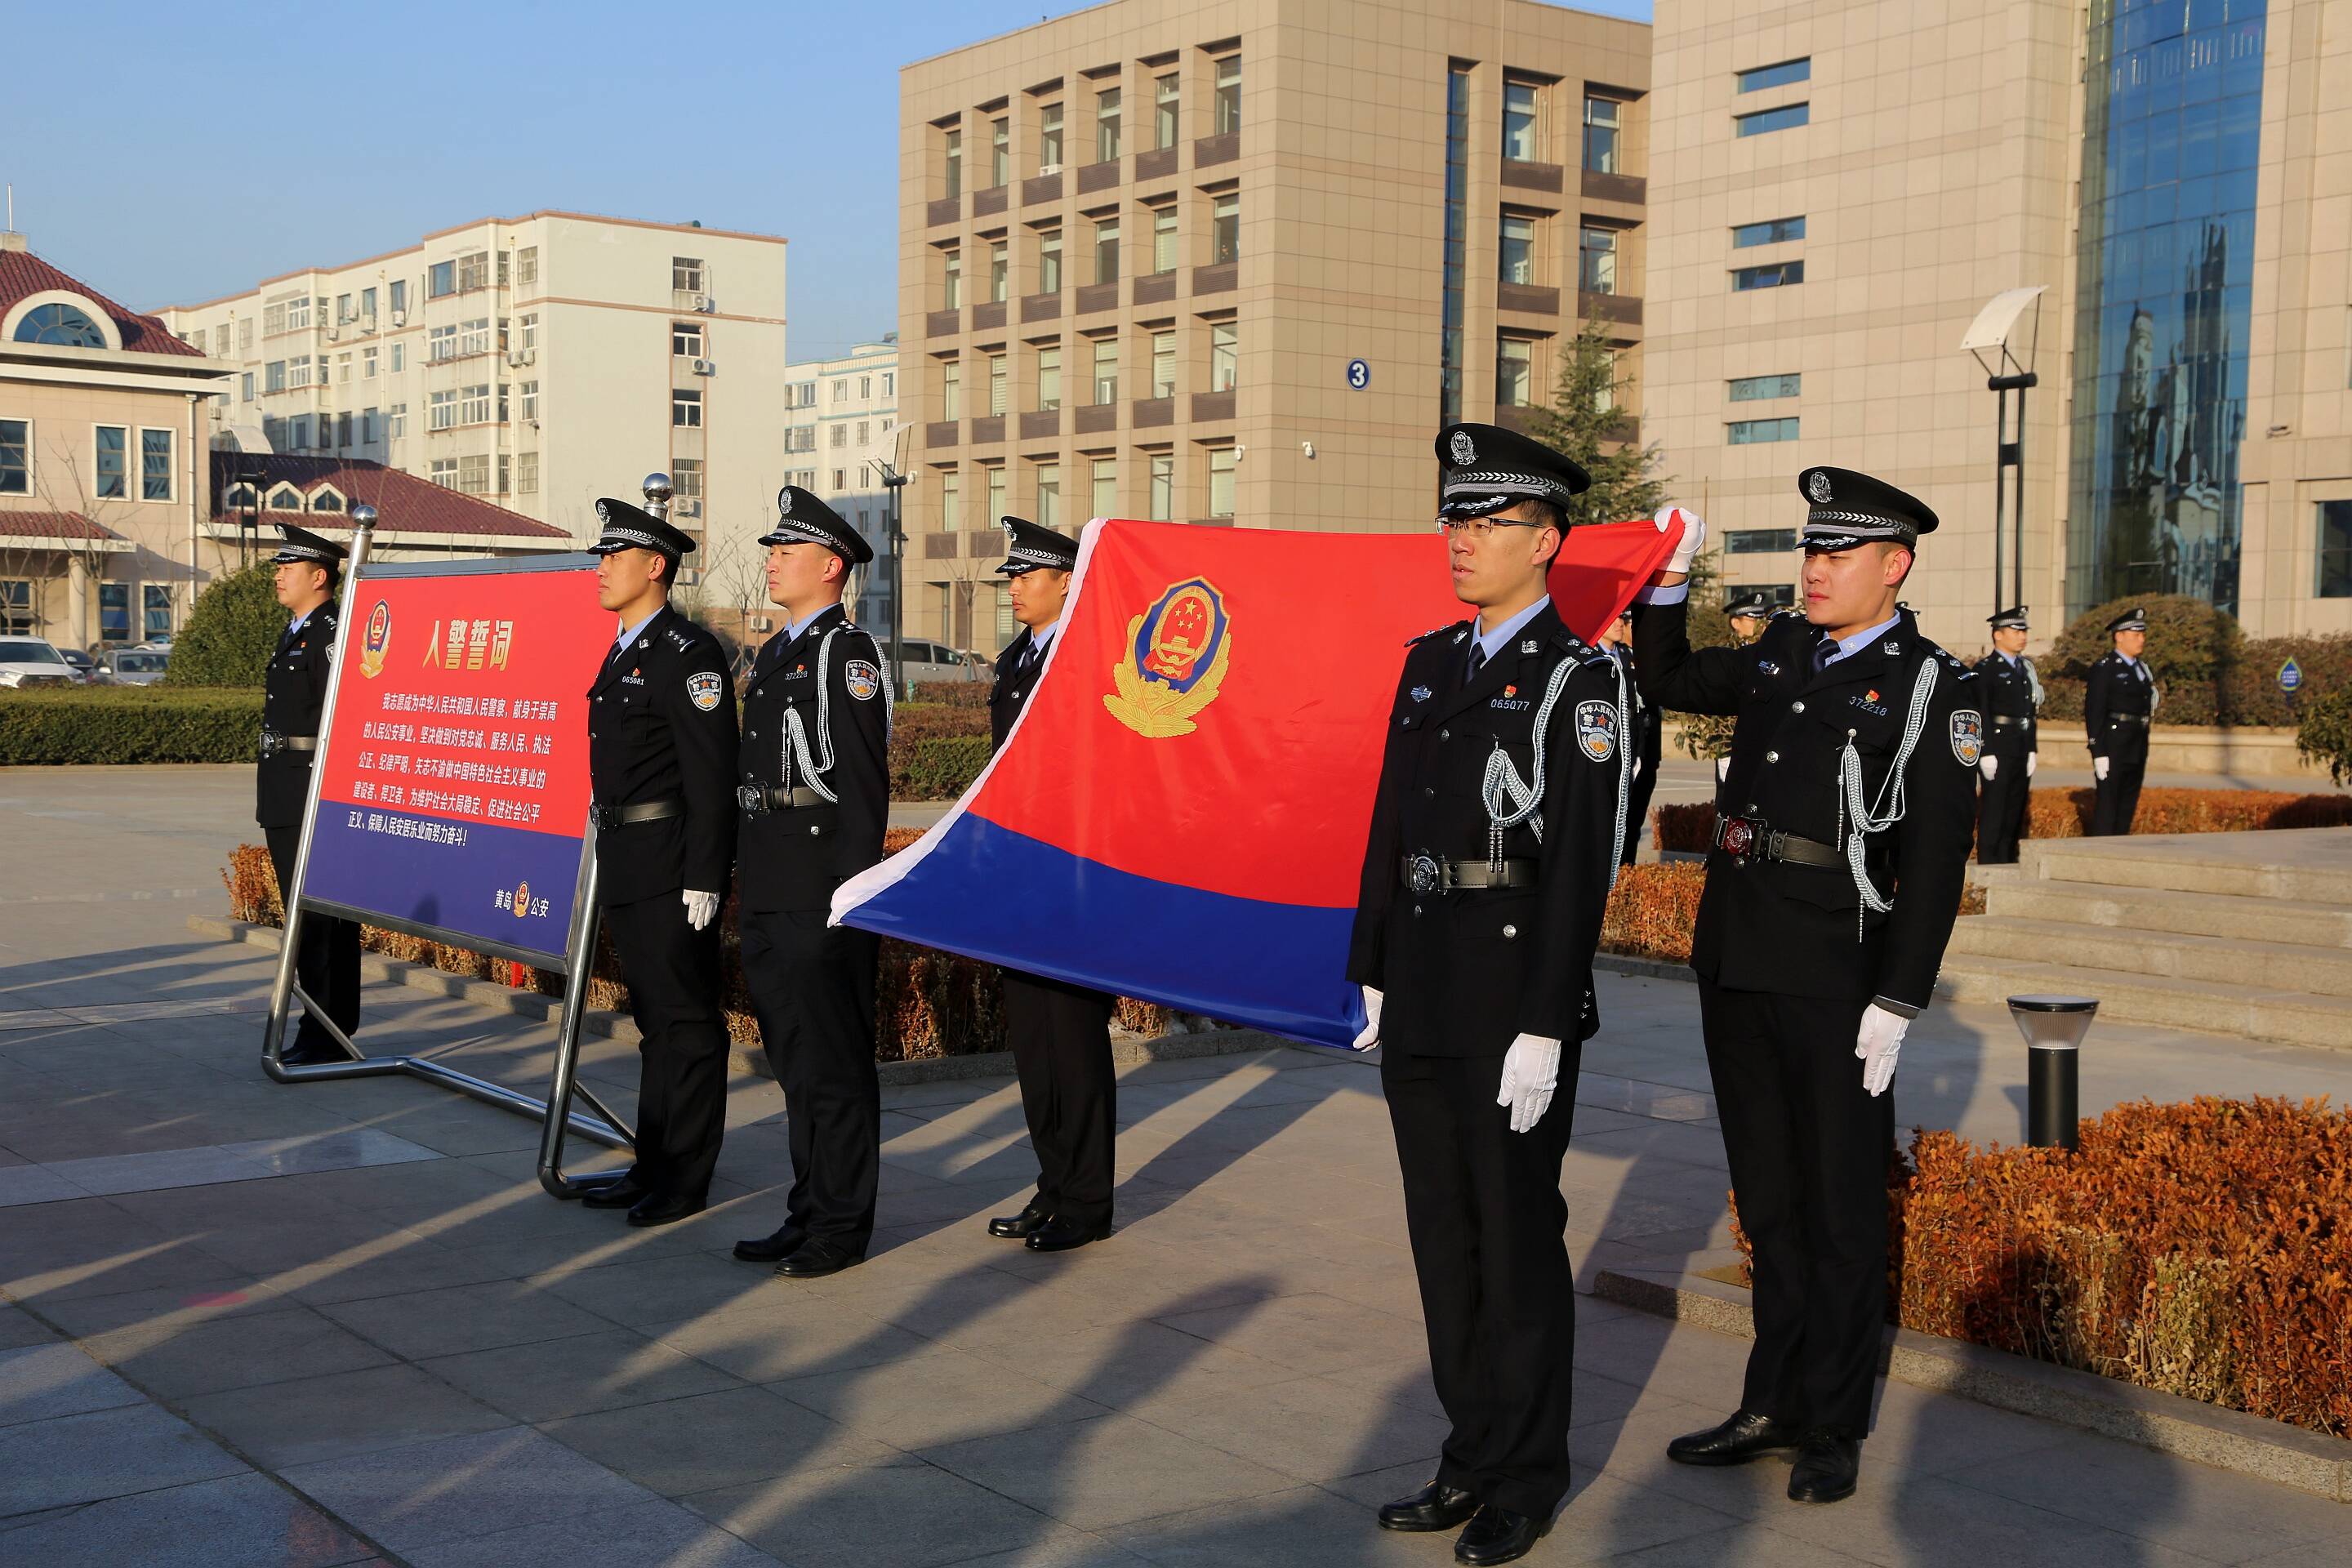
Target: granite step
x,y
2228,960
2255,1012
2289,922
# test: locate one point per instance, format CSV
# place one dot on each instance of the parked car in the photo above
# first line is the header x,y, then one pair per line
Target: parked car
x,y
27,662
134,666
83,664
925,660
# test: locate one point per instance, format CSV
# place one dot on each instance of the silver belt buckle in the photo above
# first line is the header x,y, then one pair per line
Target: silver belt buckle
x,y
752,798
272,742
1421,875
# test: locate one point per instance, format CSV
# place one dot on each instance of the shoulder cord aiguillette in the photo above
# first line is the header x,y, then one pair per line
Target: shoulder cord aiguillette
x,y
795,742
1865,820
1511,800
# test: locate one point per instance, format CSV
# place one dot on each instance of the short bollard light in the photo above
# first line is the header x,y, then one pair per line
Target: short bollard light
x,y
2054,1027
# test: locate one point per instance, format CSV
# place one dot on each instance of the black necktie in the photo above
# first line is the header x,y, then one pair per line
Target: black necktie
x,y
1477,662
1822,652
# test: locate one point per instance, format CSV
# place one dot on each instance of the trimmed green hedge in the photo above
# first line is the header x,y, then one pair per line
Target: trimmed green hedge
x,y
130,724
937,769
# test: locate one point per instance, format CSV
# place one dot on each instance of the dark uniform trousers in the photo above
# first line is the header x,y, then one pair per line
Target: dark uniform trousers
x,y
2116,800
327,965
2002,799
294,697
1060,1033
672,971
2118,701
812,990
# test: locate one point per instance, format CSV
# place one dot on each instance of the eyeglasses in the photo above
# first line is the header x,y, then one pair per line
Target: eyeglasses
x,y
1481,529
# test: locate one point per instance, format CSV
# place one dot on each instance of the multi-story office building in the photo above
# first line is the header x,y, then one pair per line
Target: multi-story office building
x,y
841,425
1837,189
1236,260
538,361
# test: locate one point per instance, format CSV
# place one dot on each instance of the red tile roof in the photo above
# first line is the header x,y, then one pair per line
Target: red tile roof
x,y
22,273
42,524
403,503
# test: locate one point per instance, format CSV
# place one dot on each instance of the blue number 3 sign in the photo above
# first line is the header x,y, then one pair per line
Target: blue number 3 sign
x,y
1360,374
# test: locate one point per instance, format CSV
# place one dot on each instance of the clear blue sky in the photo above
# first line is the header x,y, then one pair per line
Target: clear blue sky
x,y
197,149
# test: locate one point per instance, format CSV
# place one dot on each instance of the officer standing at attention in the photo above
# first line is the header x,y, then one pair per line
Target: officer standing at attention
x,y
1493,843
294,694
661,764
1840,848
2011,694
1648,739
1060,1032
814,798
2119,702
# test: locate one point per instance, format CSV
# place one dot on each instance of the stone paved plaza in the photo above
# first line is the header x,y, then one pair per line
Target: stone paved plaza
x,y
340,1323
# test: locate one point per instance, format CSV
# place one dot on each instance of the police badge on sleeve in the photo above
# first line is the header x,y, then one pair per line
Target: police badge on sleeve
x,y
1968,735
862,678
1596,728
705,688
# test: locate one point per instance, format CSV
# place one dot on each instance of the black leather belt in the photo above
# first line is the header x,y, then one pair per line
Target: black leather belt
x,y
1436,874
607,816
758,800
2002,720
272,743
1752,838
2130,719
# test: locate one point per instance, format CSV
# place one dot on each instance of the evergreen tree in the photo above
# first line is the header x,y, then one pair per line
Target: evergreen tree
x,y
1585,421
232,631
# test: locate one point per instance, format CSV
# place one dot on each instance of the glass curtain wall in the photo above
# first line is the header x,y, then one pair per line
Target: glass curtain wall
x,y
1457,186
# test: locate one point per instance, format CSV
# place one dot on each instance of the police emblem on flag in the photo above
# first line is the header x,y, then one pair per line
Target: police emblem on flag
x,y
1596,728
1968,736
1176,656
705,687
862,678
379,638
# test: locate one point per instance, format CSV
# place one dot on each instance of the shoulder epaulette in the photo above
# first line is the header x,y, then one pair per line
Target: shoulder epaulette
x,y
681,640
1450,626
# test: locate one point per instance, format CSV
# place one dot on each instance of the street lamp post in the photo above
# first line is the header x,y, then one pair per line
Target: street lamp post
x,y
894,481
2003,339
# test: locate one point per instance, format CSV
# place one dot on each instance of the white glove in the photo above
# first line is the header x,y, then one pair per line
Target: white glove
x,y
1530,1073
1880,1039
700,908
1990,765
2030,758
2099,769
1371,1034
1694,534
1637,767
1722,769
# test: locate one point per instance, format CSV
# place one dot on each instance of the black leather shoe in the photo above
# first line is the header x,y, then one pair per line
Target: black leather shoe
x,y
814,1258
1434,1507
1827,1467
1743,1437
1060,1235
774,1249
665,1210
1028,1222
622,1195
1498,1535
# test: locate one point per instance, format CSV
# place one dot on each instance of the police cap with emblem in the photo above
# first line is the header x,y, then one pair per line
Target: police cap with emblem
x,y
2132,620
301,545
1748,607
1485,468
802,519
1850,509
2008,620
627,527
1028,546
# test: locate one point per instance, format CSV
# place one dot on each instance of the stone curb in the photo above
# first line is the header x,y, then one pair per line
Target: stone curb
x,y
1126,1050
2185,1428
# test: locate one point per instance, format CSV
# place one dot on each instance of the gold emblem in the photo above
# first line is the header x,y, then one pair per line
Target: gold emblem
x,y
377,641
1176,657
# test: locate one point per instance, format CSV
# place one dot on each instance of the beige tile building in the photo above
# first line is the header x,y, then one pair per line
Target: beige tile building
x,y
1235,261
535,361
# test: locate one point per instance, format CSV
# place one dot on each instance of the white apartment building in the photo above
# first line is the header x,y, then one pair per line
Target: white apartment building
x,y
535,361
842,424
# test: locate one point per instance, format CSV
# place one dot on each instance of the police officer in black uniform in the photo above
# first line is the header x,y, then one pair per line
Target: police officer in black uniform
x,y
1747,614
661,764
1648,742
294,694
1060,1032
2119,701
814,798
2011,694
1494,842
1830,890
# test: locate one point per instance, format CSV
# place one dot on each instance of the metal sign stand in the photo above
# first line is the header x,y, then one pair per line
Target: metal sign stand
x,y
578,958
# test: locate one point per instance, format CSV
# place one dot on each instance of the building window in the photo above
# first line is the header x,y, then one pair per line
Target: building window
x,y
1755,432
1224,355
2336,550
1000,151
1596,260
1520,129
951,390
1759,540
61,325
400,295
1167,99
1106,371
1049,139
1107,251
527,266
245,387
1744,278
1225,229
1007,626
1225,117
474,474
114,612
1162,506
297,314
473,271
530,393
441,280
955,165
245,335
286,497
1163,241
113,463
1771,231
441,410
839,439
998,382
474,404
1163,364
687,275
154,465
399,358
1604,125
343,312
298,370
370,427
327,500
1781,75
1517,250
999,269
890,384
1049,379
863,436
951,279
368,363
1514,372
1049,495
996,507
1049,261
440,343
1106,487
686,478
1223,461
685,340
17,609
865,387
1786,117
1756,388
474,336
15,457
273,376
951,499
1107,125
155,607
